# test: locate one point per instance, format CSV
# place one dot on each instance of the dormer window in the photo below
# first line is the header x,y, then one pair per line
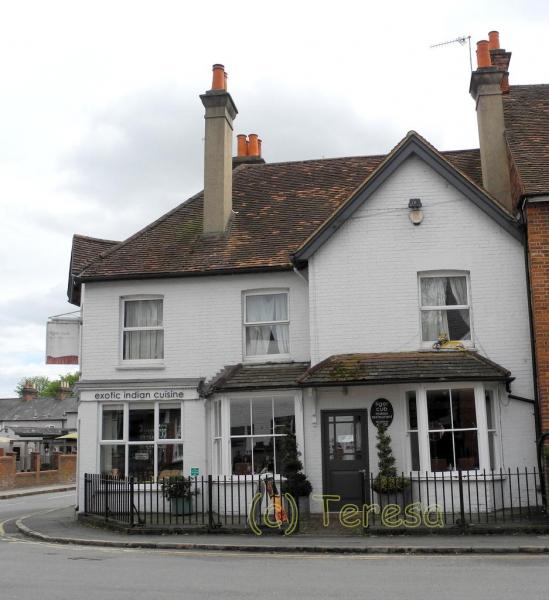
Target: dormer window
x,y
266,325
445,307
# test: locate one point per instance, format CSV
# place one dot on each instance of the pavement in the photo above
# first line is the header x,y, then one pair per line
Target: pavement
x,y
60,525
33,491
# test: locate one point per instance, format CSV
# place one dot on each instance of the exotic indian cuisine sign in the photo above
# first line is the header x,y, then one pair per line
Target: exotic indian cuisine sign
x,y
382,412
62,341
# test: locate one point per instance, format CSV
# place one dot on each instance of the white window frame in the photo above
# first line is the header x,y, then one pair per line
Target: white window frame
x,y
265,357
126,442
225,468
432,274
138,362
481,428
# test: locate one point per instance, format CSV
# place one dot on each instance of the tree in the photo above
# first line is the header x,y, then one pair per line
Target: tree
x,y
291,467
387,481
39,383
46,387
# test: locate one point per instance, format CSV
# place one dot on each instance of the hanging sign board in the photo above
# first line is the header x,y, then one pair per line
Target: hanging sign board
x,y
195,472
62,341
382,412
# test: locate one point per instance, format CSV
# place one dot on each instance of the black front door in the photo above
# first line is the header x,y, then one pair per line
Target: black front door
x,y
345,455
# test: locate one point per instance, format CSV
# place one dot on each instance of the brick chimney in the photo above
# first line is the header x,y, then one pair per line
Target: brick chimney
x,y
218,180
64,390
248,150
29,391
488,83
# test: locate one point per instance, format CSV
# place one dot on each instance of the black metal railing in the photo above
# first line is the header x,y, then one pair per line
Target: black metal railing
x,y
459,498
211,502
429,500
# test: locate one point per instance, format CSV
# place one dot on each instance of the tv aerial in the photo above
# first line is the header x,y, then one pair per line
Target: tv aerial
x,y
464,39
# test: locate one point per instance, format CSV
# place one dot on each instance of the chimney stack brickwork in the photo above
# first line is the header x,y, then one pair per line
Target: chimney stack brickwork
x,y
220,113
486,89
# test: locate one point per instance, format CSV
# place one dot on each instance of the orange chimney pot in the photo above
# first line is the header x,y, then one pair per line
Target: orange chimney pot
x,y
483,54
493,40
253,145
241,145
218,80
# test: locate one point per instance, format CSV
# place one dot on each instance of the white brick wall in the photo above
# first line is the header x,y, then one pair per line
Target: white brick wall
x,y
202,323
363,286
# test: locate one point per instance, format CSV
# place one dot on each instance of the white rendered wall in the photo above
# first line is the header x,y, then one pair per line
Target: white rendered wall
x,y
363,283
202,323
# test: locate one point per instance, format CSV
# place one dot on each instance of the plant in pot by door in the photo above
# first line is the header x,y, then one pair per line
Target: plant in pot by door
x,y
389,486
178,491
291,468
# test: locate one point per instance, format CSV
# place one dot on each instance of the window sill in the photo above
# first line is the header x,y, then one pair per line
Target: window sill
x,y
140,366
268,358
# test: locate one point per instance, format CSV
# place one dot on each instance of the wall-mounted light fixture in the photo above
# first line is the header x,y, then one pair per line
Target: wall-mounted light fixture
x,y
416,214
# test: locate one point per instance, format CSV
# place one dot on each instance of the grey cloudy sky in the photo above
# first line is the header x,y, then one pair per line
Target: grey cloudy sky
x,y
101,126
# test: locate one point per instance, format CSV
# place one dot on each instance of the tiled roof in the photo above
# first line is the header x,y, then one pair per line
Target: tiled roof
x,y
255,377
86,249
403,367
277,207
526,109
37,409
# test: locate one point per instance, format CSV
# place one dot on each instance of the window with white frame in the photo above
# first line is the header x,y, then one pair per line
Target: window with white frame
x,y
217,437
256,428
266,324
142,329
413,433
453,430
141,440
445,307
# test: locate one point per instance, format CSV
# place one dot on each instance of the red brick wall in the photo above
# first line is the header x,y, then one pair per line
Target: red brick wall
x,y
538,250
7,472
67,468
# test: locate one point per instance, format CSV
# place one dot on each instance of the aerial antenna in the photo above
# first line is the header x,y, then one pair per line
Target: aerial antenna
x,y
464,39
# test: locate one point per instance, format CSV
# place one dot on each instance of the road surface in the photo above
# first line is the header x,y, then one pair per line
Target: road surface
x,y
31,570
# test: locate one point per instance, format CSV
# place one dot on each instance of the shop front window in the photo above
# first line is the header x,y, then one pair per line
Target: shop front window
x,y
143,441
256,427
453,434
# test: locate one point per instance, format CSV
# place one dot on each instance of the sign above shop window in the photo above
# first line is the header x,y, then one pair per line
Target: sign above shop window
x,y
382,412
140,395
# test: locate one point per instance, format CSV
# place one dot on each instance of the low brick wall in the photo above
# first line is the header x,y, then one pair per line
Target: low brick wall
x,y
10,479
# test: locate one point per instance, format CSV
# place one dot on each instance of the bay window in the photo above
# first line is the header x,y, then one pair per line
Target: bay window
x,y
247,433
141,440
266,325
445,307
142,329
451,428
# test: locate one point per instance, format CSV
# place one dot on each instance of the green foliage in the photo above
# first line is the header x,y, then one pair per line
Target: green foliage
x,y
38,381
387,481
291,466
177,487
46,387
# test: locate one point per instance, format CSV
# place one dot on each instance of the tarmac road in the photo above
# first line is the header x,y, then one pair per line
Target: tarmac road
x,y
36,570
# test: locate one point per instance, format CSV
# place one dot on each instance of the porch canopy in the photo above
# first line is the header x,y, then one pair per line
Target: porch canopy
x,y
403,367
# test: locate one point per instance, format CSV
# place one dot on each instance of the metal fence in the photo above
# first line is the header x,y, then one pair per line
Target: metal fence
x,y
431,500
460,498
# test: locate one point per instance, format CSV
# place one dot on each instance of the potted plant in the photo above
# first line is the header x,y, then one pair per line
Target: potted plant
x,y
390,486
178,490
291,468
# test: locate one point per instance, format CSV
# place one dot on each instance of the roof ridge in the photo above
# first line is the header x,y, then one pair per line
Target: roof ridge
x,y
95,239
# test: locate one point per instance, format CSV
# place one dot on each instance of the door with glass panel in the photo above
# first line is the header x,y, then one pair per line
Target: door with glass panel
x,y
345,455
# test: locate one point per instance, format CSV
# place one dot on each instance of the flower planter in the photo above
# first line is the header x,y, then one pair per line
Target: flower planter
x,y
181,506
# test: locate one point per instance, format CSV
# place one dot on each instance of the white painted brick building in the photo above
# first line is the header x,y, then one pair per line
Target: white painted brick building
x,y
320,297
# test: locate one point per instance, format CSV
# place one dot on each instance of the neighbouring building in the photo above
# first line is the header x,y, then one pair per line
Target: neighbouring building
x,y
313,294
